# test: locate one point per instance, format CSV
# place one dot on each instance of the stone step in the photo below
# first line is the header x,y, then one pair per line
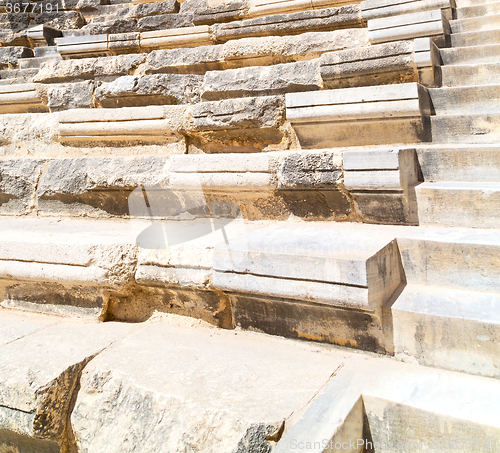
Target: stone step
x,y
372,397
474,54
190,384
19,75
460,129
463,204
37,62
476,38
449,328
467,3
490,22
323,281
471,74
466,99
460,163
485,9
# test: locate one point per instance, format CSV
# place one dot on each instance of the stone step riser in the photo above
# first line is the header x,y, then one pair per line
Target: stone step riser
x,y
460,163
471,75
466,100
478,11
475,24
480,129
479,38
475,54
460,205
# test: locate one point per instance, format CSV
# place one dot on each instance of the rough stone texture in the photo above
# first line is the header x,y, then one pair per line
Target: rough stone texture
x,y
282,24
94,186
236,125
165,21
373,65
9,56
153,9
310,169
262,81
19,38
38,381
243,113
104,68
67,95
128,91
18,179
120,25
222,13
214,406
64,20
253,51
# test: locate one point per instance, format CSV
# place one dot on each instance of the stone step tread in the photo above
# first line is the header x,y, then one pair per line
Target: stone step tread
x,y
451,302
487,187
490,22
476,38
478,10
489,53
242,379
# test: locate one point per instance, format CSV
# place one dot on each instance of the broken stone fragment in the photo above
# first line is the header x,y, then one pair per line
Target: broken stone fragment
x,y
9,56
221,13
18,179
129,91
164,22
103,68
63,20
262,81
67,95
153,9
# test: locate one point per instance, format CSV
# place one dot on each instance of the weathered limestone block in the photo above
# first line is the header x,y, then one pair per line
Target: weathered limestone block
x,y
64,20
18,179
261,8
83,46
39,382
105,68
153,9
375,9
164,21
253,52
344,276
382,114
15,39
33,133
14,21
21,98
409,26
374,65
124,43
157,89
178,37
119,25
67,96
221,13
310,170
9,56
289,24
262,81
97,186
64,267
236,125
121,127
382,183
210,408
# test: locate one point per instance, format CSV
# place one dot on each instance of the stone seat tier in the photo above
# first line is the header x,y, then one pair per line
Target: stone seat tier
x,y
298,392
331,282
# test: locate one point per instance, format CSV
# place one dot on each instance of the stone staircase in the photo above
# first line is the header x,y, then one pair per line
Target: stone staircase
x,y
250,227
